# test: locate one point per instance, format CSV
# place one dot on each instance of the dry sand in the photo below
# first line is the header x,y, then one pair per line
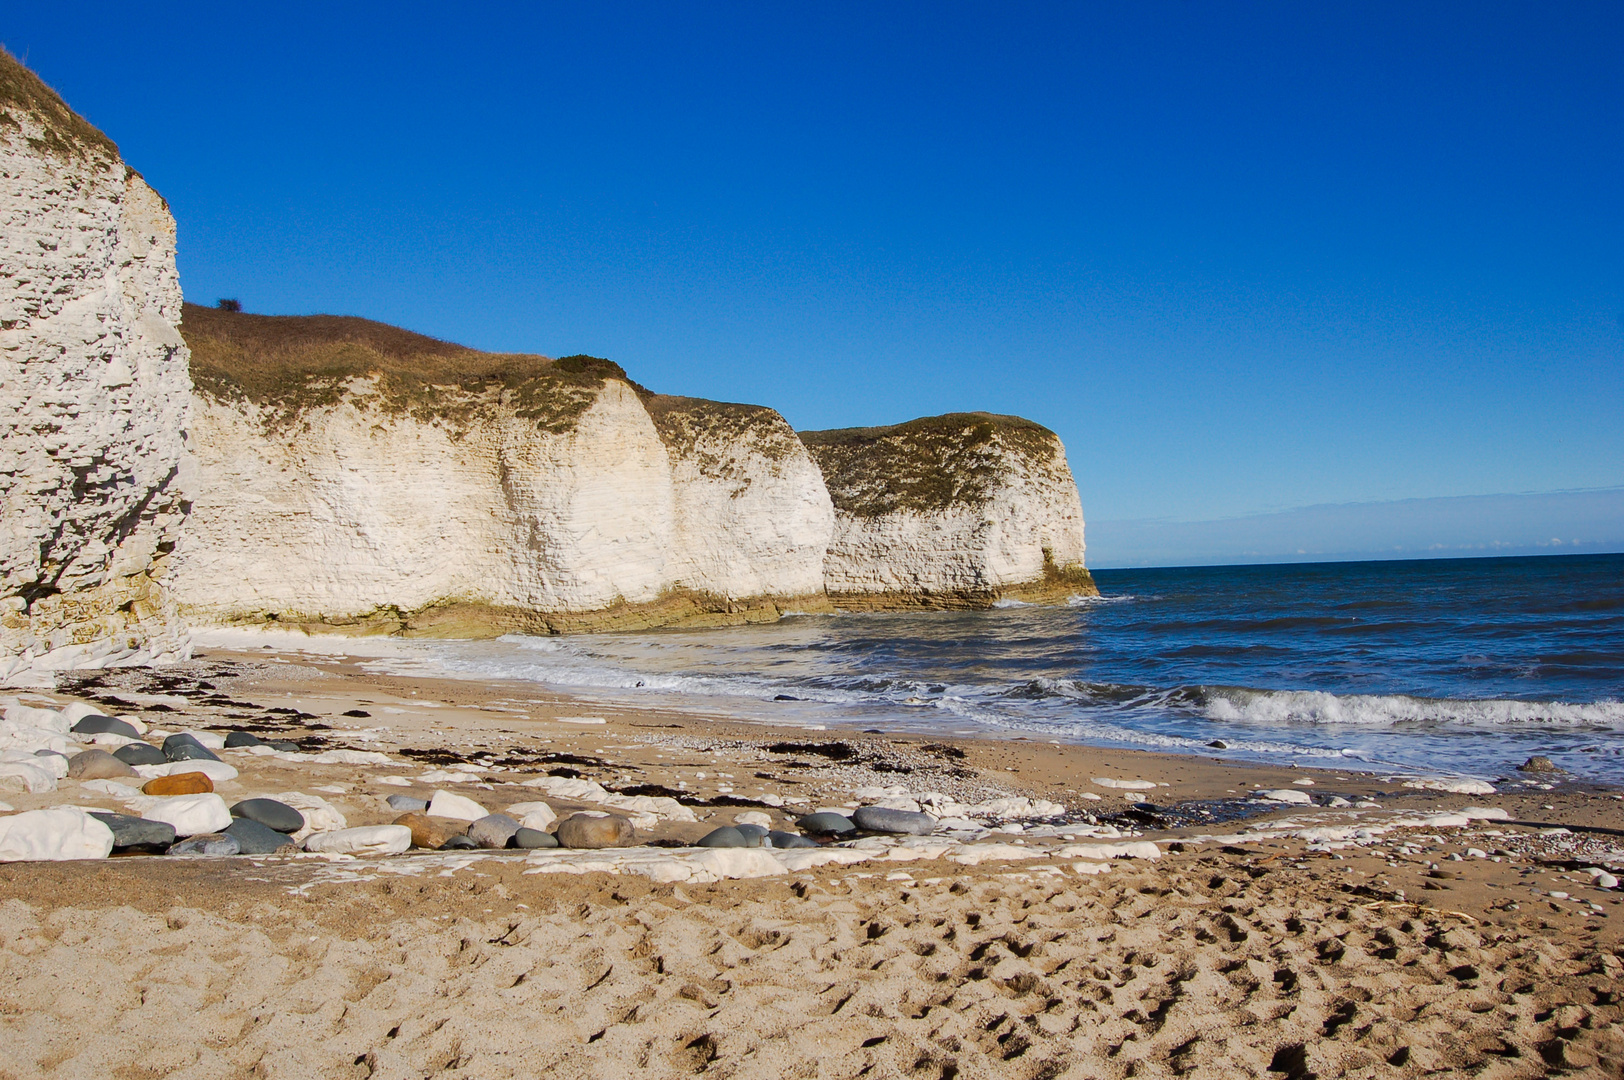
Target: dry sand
x,y
1246,955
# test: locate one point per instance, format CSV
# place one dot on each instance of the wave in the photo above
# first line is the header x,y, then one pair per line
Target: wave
x,y
1385,710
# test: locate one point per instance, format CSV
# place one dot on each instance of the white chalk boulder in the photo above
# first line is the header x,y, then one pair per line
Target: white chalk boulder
x,y
56,835
367,840
446,805
533,815
191,815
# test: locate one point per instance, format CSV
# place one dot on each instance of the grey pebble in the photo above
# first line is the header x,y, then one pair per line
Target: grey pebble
x,y
183,747
207,844
461,840
882,819
534,838
140,753
242,738
406,804
104,725
137,831
790,840
727,836
271,814
823,824
254,838
97,765
493,831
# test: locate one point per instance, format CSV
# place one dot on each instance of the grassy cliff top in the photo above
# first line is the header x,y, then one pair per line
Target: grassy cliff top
x,y
65,133
292,363
697,425
928,464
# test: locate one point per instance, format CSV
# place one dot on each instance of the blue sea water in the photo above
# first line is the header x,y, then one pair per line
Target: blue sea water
x,y
1463,666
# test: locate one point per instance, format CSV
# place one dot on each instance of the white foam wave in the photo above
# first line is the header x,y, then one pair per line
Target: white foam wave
x,y
1385,710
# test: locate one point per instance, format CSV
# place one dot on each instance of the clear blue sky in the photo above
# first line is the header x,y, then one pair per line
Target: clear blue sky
x,y
1242,257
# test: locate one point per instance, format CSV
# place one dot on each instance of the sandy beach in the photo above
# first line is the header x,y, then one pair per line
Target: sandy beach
x,y
1393,936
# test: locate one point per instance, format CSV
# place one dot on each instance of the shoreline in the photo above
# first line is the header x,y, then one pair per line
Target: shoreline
x,y
1397,937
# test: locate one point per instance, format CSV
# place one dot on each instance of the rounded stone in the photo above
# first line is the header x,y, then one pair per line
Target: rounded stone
x,y
207,844
885,820
286,747
753,834
493,831
184,747
191,815
97,765
242,738
826,824
726,836
406,804
254,838
364,840
790,840
186,783
534,838
104,725
426,832
592,831
1539,763
271,814
461,840
140,753
129,832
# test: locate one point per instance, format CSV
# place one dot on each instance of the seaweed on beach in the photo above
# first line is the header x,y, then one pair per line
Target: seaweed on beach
x,y
834,751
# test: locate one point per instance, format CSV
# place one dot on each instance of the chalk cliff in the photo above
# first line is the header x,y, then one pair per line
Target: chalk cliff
x,y
94,394
950,511
354,474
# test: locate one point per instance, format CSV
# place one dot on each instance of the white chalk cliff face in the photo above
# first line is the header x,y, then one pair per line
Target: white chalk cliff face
x,y
753,516
94,393
433,485
950,511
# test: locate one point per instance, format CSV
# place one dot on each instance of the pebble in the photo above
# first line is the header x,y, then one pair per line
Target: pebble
x,y
753,817
97,765
826,823
426,832
1601,878
186,783
445,804
1285,795
207,844
534,838
254,838
1538,764
286,747
726,836
790,840
753,833
533,815
184,747
242,738
55,835
140,753
366,840
460,841
881,819
493,831
270,813
592,831
191,815
131,831
406,804
104,725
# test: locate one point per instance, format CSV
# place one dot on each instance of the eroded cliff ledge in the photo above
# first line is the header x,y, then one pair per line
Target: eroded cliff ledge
x,y
955,511
354,475
94,394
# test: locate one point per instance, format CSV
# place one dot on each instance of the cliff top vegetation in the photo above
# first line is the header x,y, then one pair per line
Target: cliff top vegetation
x,y
928,464
288,364
707,429
63,133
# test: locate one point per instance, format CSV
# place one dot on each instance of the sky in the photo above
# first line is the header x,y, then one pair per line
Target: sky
x,y
1245,258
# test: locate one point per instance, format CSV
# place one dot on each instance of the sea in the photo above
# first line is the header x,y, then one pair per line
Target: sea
x,y
1454,667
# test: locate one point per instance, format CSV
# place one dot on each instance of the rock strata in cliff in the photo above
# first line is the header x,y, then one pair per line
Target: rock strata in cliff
x,y
354,474
93,395
950,511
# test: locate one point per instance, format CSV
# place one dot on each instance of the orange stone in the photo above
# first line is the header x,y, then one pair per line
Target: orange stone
x,y
186,783
426,831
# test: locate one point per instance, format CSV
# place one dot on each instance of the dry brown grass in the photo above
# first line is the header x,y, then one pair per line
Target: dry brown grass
x,y
65,134
291,363
926,464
